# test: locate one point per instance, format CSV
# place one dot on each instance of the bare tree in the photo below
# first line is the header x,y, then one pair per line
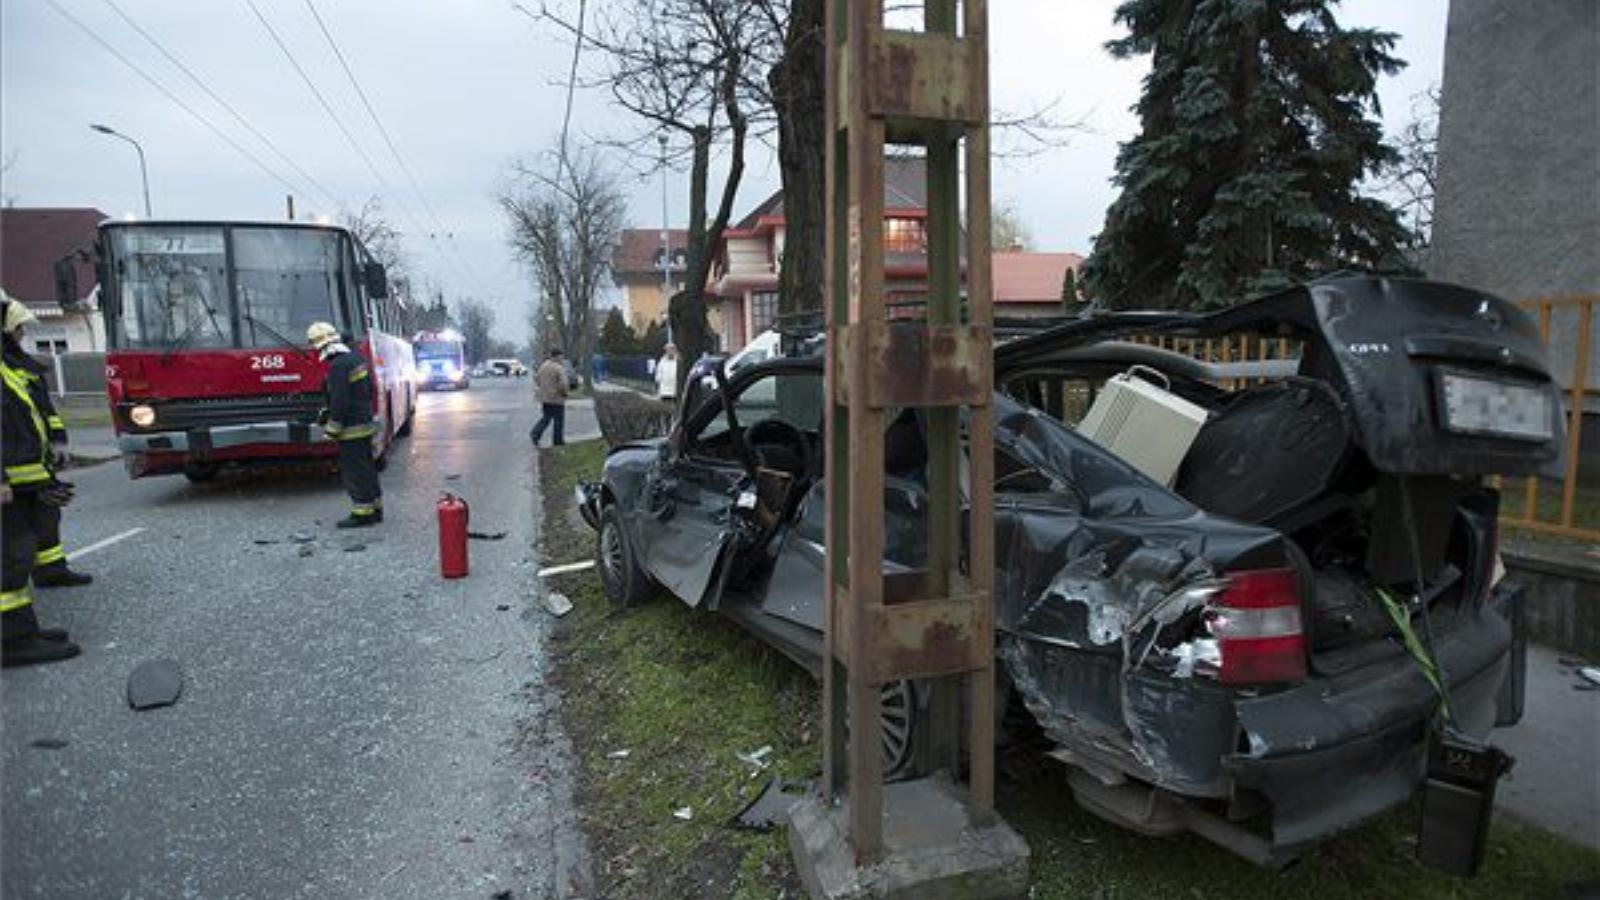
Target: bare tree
x,y
564,227
475,321
1414,177
693,70
383,241
7,199
1007,231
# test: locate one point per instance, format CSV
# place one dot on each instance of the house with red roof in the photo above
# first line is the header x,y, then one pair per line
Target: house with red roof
x,y
1028,285
32,240
637,264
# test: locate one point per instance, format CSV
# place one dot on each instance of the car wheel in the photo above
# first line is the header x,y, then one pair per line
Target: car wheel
x,y
625,583
898,713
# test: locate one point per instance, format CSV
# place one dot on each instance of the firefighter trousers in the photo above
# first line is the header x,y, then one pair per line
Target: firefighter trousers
x,y
21,523
358,472
48,550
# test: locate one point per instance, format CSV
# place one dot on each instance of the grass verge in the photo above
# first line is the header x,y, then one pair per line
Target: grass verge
x,y
682,692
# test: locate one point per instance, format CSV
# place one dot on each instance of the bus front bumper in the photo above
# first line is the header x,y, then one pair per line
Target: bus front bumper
x,y
223,437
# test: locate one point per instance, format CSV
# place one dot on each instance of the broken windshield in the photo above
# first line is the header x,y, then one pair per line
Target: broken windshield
x,y
171,286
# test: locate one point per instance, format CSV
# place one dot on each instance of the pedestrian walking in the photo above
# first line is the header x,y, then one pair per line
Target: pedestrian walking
x,y
29,489
50,569
550,382
349,420
667,373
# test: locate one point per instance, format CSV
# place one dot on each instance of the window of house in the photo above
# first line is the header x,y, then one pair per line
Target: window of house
x,y
904,236
56,347
763,311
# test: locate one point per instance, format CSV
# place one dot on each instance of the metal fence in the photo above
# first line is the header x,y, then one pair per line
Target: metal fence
x,y
75,373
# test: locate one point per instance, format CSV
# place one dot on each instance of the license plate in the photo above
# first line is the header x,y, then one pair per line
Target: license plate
x,y
1498,408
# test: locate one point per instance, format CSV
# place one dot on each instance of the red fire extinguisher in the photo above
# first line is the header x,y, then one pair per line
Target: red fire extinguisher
x,y
453,515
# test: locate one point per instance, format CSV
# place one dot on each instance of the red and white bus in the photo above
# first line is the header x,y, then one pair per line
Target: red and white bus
x,y
206,363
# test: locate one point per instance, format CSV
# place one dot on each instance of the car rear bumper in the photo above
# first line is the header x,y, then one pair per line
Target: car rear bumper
x,y
1335,751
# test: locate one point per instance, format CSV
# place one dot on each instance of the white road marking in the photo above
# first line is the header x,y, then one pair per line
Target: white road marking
x,y
101,545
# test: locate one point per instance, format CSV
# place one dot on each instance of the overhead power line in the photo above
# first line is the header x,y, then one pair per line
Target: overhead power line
x,y
237,116
177,101
394,150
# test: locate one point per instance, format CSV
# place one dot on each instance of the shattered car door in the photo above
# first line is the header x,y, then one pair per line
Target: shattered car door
x,y
685,523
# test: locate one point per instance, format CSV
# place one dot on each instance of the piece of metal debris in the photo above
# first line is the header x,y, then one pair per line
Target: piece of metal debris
x,y
48,743
354,548
302,537
618,754
757,757
486,535
770,808
502,606
266,541
565,568
305,550
155,683
1590,674
684,813
557,604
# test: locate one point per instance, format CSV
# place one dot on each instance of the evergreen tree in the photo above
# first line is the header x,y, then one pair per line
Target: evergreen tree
x,y
1257,127
616,338
1069,291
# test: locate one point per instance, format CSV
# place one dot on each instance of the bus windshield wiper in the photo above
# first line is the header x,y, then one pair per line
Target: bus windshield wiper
x,y
273,332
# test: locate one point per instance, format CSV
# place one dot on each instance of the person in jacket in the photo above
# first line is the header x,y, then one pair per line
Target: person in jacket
x,y
50,567
30,488
349,421
550,383
667,374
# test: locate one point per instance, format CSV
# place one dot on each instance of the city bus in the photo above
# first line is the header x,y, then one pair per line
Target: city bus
x,y
441,360
206,362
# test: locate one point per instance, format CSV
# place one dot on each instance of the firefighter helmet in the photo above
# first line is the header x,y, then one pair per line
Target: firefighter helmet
x,y
321,333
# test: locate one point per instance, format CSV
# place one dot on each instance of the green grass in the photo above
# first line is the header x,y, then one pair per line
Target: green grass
x,y
682,691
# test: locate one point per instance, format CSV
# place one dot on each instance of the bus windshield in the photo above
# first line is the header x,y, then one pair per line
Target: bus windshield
x,y
450,350
173,285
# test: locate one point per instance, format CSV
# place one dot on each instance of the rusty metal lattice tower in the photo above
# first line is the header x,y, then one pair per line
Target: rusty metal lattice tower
x,y
923,92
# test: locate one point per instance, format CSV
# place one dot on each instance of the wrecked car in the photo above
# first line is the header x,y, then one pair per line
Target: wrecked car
x,y
1225,653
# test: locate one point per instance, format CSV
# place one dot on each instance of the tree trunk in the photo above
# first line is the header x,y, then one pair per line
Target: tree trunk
x,y
797,84
686,310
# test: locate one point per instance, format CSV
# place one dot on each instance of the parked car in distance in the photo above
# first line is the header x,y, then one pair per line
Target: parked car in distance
x,y
506,368
1214,655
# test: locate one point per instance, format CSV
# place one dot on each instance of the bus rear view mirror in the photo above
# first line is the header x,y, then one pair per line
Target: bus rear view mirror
x,y
377,280
66,281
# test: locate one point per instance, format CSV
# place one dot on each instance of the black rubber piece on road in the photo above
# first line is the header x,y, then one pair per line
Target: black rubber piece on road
x,y
155,683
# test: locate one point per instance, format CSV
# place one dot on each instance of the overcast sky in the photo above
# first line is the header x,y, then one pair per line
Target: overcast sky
x,y
463,86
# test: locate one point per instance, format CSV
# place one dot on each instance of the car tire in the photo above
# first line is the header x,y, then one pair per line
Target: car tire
x,y
624,581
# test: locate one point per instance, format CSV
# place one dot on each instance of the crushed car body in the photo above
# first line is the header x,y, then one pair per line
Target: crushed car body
x,y
1211,654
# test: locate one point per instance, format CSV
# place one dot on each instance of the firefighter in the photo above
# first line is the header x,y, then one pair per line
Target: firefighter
x,y
30,488
50,562
348,419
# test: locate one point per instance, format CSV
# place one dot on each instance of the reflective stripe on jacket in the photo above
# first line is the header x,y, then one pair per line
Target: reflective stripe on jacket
x,y
26,438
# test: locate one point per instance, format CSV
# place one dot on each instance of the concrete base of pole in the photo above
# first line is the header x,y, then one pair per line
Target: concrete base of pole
x,y
932,849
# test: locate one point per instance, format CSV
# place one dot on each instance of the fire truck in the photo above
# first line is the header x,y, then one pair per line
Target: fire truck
x,y
206,362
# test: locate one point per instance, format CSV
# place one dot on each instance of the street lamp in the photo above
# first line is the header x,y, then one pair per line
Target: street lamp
x,y
666,243
144,175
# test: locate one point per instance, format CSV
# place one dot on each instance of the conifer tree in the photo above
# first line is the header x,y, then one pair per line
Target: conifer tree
x,y
1258,127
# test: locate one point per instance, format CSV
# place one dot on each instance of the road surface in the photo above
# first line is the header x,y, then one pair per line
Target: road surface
x,y
351,724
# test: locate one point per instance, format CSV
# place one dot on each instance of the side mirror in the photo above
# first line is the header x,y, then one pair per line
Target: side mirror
x,y
377,280
66,282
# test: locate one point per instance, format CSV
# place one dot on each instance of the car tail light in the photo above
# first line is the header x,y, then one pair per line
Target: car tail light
x,y
1256,621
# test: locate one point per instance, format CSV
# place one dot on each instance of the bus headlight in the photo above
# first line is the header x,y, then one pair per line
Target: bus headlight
x,y
142,416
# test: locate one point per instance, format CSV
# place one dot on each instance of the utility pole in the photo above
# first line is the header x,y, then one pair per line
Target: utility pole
x,y
288,202
935,625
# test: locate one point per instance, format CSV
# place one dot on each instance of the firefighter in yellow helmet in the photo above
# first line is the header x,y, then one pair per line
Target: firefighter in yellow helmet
x,y
349,421
31,493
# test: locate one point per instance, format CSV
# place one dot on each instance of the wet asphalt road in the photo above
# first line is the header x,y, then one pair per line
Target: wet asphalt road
x,y
351,726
